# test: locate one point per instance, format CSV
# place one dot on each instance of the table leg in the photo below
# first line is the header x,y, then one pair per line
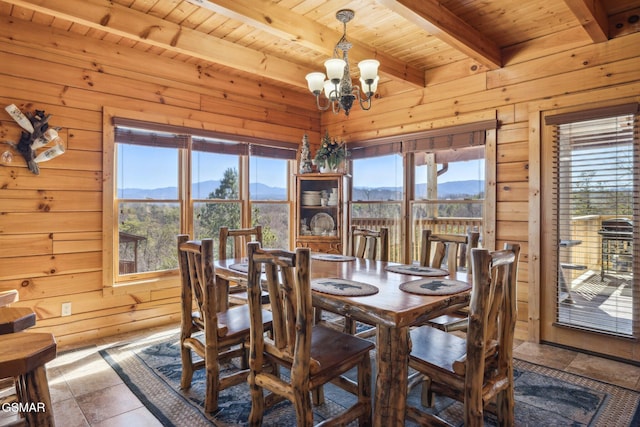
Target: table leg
x,y
392,365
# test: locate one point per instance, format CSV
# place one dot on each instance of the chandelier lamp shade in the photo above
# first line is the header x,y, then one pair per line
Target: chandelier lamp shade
x,y
338,89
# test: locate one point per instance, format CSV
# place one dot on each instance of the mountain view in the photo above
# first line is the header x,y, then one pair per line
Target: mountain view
x,y
264,192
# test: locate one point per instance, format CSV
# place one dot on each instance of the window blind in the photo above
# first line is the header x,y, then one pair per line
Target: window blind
x,y
139,132
432,140
596,212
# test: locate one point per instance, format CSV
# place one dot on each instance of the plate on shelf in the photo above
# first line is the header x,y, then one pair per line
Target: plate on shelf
x,y
323,221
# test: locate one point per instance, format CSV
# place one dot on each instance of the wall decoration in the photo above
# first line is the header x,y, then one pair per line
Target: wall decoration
x,y
305,156
36,134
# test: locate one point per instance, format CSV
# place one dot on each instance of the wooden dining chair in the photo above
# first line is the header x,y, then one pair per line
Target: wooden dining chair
x,y
456,247
232,243
457,250
478,368
215,336
364,243
367,244
314,354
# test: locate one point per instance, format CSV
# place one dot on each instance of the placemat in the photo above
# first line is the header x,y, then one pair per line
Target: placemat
x,y
332,257
243,267
434,286
335,286
417,270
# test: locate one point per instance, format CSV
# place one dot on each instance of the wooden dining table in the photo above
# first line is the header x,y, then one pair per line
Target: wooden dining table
x,y
392,310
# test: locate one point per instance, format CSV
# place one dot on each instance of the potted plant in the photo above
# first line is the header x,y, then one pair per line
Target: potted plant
x,y
331,154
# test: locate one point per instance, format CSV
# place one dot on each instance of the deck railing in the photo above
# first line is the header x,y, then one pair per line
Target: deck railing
x,y
438,225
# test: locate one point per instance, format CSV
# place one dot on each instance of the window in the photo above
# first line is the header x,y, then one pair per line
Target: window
x,y
376,197
270,205
147,203
169,180
215,192
595,209
436,178
449,192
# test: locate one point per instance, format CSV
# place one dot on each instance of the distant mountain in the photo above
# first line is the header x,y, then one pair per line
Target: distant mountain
x,y
470,187
201,190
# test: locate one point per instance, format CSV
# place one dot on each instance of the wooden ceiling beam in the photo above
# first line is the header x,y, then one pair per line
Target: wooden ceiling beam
x,y
592,16
446,26
281,22
124,22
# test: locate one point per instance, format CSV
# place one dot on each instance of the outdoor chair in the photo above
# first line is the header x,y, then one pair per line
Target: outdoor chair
x,y
216,336
313,354
477,369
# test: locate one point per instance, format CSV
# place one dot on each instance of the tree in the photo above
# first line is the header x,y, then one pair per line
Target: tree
x,y
215,215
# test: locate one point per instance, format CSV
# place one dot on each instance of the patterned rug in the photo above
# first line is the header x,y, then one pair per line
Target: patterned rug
x,y
544,396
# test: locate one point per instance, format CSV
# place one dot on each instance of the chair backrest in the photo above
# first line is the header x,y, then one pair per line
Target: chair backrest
x,y
364,243
287,276
195,258
238,246
456,247
492,320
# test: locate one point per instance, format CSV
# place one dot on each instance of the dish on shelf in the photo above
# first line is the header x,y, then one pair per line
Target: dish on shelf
x,y
322,221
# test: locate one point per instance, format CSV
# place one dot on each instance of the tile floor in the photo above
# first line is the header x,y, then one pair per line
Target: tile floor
x,y
87,392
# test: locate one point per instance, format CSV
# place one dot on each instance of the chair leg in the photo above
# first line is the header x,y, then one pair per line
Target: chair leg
x,y
364,390
257,404
505,401
304,413
426,395
473,410
317,396
212,389
187,368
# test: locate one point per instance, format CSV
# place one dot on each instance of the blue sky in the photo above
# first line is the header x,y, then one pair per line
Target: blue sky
x,y
141,165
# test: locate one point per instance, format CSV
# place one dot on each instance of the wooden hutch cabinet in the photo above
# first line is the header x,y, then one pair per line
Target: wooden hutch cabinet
x,y
320,212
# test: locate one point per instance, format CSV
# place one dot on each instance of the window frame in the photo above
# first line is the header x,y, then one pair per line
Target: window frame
x,y
470,134
551,328
113,282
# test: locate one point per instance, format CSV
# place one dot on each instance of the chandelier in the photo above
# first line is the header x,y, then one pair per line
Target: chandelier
x,y
338,89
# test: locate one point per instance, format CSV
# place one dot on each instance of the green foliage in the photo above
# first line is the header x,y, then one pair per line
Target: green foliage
x,y
157,224
331,152
215,215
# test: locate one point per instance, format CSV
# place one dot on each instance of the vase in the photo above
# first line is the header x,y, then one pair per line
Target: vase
x,y
331,165
328,168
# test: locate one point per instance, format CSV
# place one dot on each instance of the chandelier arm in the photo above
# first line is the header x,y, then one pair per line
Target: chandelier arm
x,y
365,103
322,107
335,106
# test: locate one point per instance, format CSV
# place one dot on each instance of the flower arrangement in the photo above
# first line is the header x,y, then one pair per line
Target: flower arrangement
x,y
331,153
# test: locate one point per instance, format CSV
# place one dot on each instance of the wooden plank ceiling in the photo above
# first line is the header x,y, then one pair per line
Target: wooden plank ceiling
x,y
283,40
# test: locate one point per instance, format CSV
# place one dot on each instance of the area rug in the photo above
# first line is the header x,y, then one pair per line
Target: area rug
x,y
544,396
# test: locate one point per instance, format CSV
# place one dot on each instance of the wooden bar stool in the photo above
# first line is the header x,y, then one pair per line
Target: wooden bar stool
x,y
16,319
22,357
8,297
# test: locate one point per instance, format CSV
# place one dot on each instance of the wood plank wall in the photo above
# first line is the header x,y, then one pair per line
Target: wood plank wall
x,y
51,224
583,75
